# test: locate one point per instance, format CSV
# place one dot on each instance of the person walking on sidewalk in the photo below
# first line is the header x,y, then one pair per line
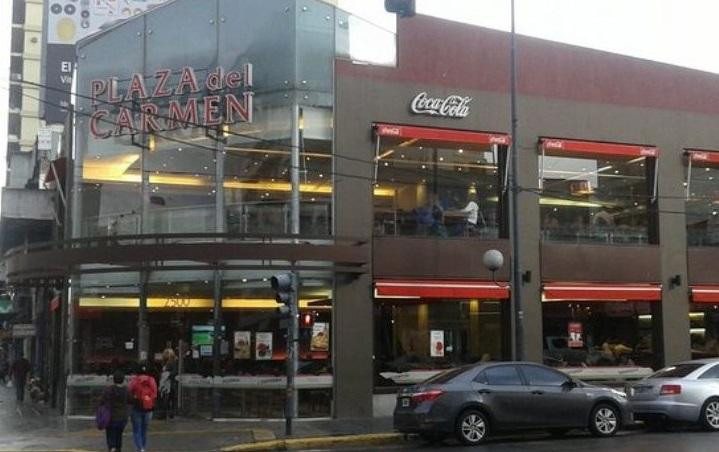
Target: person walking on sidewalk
x,y
116,398
143,393
20,370
168,385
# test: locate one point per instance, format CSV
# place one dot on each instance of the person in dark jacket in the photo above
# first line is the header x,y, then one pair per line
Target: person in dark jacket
x,y
20,370
117,399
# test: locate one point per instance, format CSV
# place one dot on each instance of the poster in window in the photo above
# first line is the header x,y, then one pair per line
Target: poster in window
x,y
320,337
436,343
241,349
576,335
263,346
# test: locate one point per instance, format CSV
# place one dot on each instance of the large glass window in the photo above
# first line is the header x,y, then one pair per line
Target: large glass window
x,y
704,330
702,211
436,334
597,197
599,333
437,188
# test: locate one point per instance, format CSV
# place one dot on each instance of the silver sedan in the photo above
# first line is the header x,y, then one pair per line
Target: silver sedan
x,y
686,392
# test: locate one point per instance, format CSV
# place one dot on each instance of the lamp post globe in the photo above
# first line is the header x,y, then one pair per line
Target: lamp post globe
x,y
493,260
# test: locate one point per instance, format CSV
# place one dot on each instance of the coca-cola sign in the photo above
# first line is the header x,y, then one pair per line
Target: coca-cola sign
x,y
452,106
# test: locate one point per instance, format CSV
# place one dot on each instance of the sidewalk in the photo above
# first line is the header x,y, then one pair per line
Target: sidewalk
x,y
32,427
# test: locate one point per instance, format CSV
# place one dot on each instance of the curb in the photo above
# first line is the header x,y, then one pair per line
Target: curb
x,y
321,441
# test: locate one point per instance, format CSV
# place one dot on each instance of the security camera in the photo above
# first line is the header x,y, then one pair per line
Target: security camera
x,y
493,260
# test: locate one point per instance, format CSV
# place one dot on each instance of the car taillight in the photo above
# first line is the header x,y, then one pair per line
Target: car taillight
x,y
426,396
670,390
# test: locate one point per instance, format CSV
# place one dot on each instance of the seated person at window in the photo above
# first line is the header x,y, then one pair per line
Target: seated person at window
x,y
438,228
473,216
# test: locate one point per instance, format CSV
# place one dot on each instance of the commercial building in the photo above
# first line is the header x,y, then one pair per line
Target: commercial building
x,y
228,141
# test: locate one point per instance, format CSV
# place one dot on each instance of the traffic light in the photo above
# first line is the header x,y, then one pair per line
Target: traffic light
x,y
283,285
403,8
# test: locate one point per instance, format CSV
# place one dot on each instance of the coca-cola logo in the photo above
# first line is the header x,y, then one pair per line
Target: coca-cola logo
x,y
452,106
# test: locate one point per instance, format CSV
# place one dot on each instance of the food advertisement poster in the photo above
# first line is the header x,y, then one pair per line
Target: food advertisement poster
x,y
241,349
436,343
263,346
320,337
576,335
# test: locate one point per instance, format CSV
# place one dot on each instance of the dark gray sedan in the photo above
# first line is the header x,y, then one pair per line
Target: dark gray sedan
x,y
473,401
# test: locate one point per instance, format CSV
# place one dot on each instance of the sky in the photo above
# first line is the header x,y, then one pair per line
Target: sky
x,y
679,32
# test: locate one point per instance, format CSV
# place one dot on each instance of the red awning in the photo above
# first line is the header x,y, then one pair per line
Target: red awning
x,y
395,288
705,294
602,292
598,148
443,135
705,157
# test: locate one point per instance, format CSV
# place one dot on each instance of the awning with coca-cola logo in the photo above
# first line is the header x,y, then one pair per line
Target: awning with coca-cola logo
x,y
560,146
705,294
703,158
559,291
431,135
429,288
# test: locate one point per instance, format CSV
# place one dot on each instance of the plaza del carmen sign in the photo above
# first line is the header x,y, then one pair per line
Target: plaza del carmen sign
x,y
154,103
452,106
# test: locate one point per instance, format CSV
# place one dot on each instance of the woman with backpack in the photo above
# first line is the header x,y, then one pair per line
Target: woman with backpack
x,y
115,400
143,393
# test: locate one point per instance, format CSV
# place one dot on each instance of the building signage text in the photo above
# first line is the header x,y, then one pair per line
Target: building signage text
x,y
154,104
452,106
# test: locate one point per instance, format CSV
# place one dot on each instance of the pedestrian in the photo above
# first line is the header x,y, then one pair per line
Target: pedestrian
x,y
143,394
20,370
4,367
168,384
116,398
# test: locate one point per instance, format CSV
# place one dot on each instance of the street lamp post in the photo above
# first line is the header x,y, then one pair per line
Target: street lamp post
x,y
516,279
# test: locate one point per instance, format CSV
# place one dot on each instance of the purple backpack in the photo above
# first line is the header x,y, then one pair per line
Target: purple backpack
x,y
102,416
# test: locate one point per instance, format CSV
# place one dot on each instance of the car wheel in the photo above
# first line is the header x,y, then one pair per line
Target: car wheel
x,y
432,437
710,414
604,420
472,427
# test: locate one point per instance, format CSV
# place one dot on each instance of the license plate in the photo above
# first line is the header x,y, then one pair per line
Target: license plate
x,y
405,403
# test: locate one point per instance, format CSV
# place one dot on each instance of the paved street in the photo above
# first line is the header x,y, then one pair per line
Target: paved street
x,y
681,440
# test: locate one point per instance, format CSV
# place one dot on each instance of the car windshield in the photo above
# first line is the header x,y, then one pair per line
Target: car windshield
x,y
677,371
446,376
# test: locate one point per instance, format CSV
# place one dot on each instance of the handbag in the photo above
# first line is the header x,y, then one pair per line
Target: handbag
x,y
102,416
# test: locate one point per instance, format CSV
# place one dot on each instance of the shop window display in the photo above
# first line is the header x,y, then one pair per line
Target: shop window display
x,y
704,330
436,334
599,334
602,199
437,188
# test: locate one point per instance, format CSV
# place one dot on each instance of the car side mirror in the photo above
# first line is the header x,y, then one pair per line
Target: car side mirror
x,y
569,385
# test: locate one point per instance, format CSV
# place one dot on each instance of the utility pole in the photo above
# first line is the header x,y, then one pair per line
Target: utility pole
x,y
286,287
517,314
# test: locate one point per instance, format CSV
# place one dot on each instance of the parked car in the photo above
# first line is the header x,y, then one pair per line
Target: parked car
x,y
472,402
687,392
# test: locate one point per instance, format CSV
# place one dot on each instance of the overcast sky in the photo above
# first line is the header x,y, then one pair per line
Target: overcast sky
x,y
680,32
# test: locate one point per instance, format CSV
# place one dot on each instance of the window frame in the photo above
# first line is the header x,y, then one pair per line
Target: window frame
x,y
522,368
522,380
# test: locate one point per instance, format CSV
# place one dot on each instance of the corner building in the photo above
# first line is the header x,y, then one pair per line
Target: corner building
x,y
374,164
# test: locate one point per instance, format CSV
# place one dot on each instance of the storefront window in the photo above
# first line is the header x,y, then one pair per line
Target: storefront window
x,y
704,330
437,188
702,214
436,334
599,333
597,197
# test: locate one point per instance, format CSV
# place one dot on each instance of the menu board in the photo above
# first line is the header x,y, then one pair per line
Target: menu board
x,y
436,343
263,346
576,333
320,337
241,348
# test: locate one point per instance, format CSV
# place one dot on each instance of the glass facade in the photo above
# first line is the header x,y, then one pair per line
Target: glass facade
x,y
198,129
436,334
437,188
704,330
702,215
600,200
599,333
